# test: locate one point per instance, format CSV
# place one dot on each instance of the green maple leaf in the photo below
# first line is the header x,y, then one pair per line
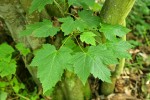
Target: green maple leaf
x,y
88,37
80,25
7,68
88,18
51,64
82,66
94,61
39,5
99,70
40,29
106,55
119,48
111,31
5,51
69,25
85,20
22,49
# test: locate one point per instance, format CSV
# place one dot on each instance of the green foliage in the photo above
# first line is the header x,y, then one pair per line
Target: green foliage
x,y
82,65
6,51
88,37
68,42
38,5
40,29
120,48
73,25
75,54
3,95
111,31
89,19
50,62
16,86
7,68
13,86
104,53
139,20
7,64
139,17
24,51
97,7
84,3
86,20
94,61
9,83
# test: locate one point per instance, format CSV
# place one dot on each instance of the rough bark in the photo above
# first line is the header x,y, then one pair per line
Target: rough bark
x,y
115,12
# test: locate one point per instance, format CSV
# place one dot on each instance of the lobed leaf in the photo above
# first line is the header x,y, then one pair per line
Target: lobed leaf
x,y
22,49
99,70
40,29
51,64
69,25
86,20
82,66
5,51
93,62
39,5
120,48
7,65
88,37
7,68
111,31
105,55
89,19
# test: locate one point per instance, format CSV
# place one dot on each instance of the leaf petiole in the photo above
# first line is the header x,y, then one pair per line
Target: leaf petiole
x,y
79,44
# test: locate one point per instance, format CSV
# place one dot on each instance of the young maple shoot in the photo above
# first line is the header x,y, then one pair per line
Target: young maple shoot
x,y
92,59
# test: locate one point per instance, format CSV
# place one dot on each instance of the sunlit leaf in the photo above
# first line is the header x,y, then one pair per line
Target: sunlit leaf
x,y
22,49
50,63
88,37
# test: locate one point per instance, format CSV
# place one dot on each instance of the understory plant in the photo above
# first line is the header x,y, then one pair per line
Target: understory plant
x,y
82,40
140,15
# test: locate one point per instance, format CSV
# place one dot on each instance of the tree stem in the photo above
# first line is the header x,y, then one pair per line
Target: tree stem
x,y
115,12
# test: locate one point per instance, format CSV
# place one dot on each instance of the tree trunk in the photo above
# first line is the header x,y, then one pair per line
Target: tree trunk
x,y
115,12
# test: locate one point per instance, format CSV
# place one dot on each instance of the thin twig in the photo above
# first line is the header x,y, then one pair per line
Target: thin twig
x,y
79,44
